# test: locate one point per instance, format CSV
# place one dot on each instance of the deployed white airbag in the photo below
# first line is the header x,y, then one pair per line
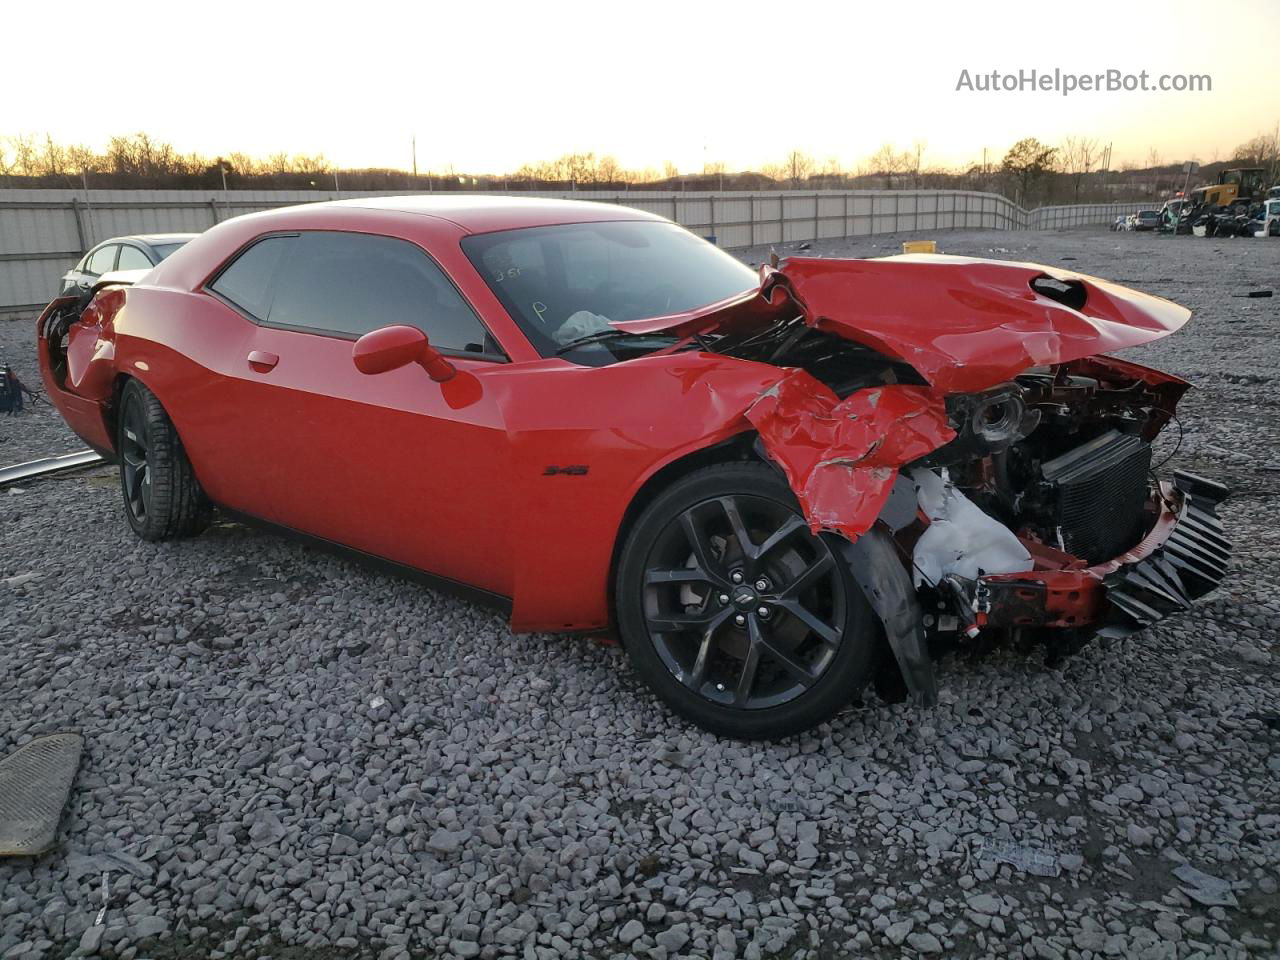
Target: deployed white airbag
x,y
583,323
960,538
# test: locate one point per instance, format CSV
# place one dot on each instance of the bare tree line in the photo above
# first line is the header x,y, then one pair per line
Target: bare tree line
x,y
1030,172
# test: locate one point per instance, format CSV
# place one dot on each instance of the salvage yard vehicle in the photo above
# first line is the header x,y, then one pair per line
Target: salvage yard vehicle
x,y
140,252
776,487
1146,220
1266,220
1170,213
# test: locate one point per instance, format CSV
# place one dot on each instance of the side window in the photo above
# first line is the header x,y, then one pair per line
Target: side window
x,y
131,258
247,281
350,283
103,260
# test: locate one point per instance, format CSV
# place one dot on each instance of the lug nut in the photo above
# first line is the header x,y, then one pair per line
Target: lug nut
x,y
736,576
740,620
762,584
723,598
763,612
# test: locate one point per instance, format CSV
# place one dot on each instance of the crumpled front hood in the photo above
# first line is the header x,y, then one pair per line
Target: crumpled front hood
x,y
963,323
966,324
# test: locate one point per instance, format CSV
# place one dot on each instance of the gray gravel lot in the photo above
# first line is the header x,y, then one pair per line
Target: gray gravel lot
x,y
295,756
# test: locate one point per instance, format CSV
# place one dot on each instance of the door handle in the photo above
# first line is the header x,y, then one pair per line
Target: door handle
x,y
262,361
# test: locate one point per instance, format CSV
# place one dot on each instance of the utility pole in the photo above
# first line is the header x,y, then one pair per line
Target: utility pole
x,y
84,179
415,159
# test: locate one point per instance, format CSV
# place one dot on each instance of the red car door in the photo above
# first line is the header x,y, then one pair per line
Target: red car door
x,y
393,464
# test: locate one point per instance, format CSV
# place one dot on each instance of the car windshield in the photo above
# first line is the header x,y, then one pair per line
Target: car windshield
x,y
566,284
164,249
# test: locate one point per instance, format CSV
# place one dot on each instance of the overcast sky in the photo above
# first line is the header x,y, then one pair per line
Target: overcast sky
x,y
488,86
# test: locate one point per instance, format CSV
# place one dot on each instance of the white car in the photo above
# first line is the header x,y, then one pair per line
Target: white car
x,y
1268,223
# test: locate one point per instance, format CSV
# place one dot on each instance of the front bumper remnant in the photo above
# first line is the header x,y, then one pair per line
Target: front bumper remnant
x,y
1184,556
1190,563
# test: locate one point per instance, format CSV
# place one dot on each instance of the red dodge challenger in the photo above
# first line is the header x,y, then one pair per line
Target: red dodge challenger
x,y
775,486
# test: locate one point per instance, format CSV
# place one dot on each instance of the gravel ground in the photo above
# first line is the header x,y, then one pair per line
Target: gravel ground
x,y
292,756
38,431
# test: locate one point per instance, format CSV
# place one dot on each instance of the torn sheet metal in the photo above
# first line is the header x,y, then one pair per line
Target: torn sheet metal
x,y
91,347
841,457
960,539
750,310
966,324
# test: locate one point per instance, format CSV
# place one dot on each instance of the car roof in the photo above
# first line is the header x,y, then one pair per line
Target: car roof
x,y
150,239
154,238
483,214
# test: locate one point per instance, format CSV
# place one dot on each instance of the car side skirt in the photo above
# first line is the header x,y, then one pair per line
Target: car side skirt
x,y
464,591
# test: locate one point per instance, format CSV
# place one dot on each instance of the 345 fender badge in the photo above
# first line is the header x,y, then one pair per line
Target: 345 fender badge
x,y
573,470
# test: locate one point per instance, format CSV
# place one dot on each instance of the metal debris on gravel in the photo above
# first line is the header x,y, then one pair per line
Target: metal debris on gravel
x,y
34,782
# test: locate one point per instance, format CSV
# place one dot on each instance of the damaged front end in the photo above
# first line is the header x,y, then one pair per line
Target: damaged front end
x,y
987,473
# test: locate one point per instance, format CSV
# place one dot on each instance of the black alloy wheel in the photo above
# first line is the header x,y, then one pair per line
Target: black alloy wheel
x,y
735,613
162,498
135,478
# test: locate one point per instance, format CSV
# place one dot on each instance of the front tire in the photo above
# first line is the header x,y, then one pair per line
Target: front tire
x,y
737,616
162,498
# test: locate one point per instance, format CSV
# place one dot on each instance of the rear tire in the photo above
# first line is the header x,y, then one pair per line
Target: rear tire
x,y
738,617
162,498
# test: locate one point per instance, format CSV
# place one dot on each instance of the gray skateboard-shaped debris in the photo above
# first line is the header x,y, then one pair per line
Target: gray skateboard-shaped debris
x,y
34,782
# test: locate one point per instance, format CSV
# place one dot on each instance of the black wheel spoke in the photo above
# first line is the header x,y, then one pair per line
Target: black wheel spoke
x,y
750,667
679,575
135,428
790,527
667,622
699,545
829,634
801,583
760,636
134,472
738,527
697,674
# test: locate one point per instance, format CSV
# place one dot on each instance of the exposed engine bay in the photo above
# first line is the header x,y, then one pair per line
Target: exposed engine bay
x,y
1027,509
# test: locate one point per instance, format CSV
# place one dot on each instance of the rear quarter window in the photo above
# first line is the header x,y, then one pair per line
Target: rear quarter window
x,y
247,281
